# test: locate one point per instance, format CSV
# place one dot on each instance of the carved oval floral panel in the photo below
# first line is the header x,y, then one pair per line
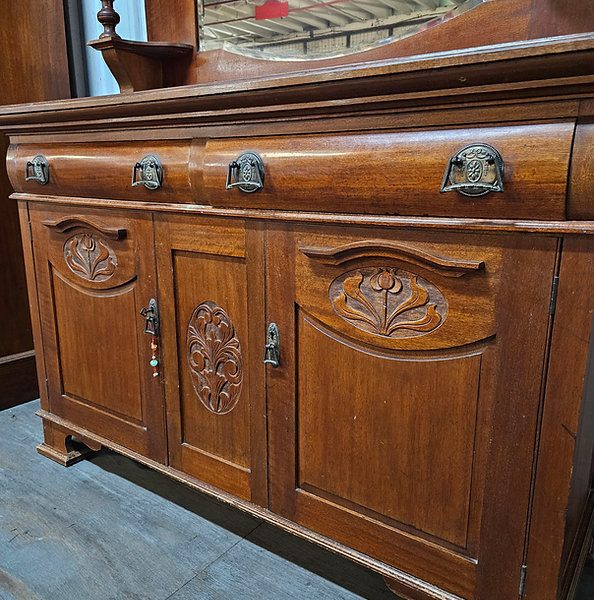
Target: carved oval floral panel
x,y
388,302
214,357
90,257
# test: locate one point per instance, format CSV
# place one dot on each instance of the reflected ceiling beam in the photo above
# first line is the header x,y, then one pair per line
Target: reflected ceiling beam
x,y
244,13
425,4
350,12
312,19
334,17
267,25
221,34
341,7
374,8
308,19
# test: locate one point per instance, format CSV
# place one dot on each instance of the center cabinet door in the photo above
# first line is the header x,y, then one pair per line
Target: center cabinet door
x,y
211,289
402,417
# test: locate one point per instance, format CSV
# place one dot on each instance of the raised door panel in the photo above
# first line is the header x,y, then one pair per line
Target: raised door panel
x,y
211,293
403,415
95,272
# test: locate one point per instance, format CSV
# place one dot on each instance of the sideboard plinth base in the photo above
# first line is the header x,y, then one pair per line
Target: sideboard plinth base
x,y
64,446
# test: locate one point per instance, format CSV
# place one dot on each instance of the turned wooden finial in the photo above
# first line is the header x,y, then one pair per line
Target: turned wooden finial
x,y
109,18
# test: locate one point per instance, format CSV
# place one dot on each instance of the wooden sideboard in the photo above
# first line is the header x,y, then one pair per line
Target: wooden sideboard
x,y
416,269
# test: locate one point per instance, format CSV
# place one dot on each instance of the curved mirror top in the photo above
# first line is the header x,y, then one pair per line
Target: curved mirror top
x,y
315,29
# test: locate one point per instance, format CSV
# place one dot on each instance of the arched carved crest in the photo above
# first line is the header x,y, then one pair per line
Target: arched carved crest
x,y
214,358
444,265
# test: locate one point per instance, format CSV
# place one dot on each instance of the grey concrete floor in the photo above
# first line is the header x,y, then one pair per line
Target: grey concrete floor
x,y
110,529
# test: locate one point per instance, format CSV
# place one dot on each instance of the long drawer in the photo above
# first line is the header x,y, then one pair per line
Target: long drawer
x,y
103,170
400,172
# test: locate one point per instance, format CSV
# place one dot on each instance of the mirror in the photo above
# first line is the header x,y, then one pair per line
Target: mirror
x,y
315,29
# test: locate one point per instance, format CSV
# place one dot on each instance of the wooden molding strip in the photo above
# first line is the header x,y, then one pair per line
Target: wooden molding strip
x,y
67,225
450,267
385,221
512,70
4,360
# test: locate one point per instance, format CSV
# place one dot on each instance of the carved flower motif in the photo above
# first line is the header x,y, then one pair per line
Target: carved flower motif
x,y
214,357
90,257
385,280
388,302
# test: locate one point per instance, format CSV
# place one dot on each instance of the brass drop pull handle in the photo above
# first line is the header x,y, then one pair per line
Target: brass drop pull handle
x,y
474,171
151,317
272,348
246,172
148,172
151,327
37,170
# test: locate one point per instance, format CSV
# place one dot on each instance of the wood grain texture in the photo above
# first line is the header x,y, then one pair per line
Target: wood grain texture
x,y
34,69
389,466
138,66
90,318
105,170
33,298
321,486
214,263
580,204
563,479
19,379
16,334
168,22
467,77
398,173
556,228
560,17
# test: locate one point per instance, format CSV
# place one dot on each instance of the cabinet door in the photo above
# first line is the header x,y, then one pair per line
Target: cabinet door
x,y
95,272
402,417
211,286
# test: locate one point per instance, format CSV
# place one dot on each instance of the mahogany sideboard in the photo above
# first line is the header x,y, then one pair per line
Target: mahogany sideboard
x,y
355,302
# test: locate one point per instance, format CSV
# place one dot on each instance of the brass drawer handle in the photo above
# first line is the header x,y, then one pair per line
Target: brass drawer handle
x,y
475,170
37,170
246,172
272,348
148,172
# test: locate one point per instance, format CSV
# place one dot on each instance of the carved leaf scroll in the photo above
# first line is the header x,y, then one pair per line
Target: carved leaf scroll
x,y
89,257
214,357
388,302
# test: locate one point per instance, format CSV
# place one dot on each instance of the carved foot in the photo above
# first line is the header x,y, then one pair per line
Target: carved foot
x,y
403,591
64,446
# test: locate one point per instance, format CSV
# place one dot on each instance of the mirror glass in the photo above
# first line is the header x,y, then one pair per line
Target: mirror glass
x,y
315,29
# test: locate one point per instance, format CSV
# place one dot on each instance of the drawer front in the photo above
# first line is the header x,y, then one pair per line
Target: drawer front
x,y
103,170
398,172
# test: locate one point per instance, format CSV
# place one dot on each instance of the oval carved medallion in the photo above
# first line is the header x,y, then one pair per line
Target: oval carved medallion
x,y
214,357
90,257
388,302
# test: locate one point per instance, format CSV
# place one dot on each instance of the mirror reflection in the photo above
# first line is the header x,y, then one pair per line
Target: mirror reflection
x,y
310,29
